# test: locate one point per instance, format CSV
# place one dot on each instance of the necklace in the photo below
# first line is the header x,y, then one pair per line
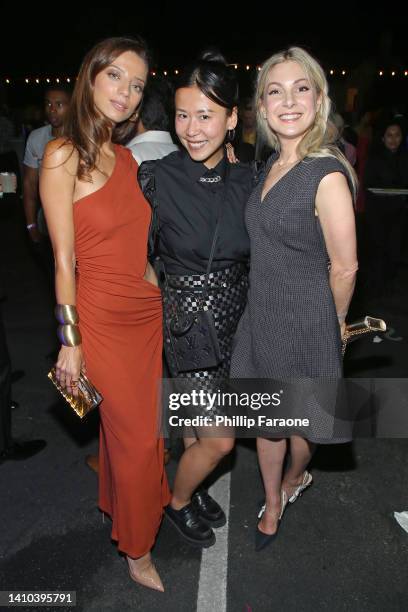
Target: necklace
x,y
282,164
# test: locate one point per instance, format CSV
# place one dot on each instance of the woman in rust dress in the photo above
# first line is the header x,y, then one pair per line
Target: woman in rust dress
x,y
108,301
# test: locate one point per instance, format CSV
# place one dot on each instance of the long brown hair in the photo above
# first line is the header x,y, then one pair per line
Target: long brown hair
x,y
85,128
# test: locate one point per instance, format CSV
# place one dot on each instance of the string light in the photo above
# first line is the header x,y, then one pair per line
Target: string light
x,y
176,71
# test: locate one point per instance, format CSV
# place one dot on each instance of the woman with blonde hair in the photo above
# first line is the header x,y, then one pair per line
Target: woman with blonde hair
x,y
300,220
108,303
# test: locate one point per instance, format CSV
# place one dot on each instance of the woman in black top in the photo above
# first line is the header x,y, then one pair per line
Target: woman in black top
x,y
190,190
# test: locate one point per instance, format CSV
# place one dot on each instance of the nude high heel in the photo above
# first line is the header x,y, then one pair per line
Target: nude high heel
x,y
143,572
306,482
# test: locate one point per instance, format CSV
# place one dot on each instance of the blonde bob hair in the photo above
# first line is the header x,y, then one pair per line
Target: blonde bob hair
x,y
319,140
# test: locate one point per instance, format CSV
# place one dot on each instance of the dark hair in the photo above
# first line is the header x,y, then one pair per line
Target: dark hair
x,y
245,102
85,128
66,88
213,77
156,112
377,145
391,121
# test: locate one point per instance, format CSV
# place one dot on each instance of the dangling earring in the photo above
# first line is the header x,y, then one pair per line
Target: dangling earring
x,y
230,135
135,118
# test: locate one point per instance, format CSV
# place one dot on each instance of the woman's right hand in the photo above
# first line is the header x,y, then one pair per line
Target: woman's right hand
x,y
69,365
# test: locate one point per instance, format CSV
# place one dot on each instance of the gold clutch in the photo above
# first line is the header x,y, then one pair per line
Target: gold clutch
x,y
87,399
360,327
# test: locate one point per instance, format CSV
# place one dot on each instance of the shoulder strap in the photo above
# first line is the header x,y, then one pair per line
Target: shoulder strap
x,y
221,197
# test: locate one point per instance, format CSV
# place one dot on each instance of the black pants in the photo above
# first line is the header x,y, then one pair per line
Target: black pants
x,y
5,389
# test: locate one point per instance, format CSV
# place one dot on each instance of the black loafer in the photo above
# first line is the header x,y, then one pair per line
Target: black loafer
x,y
191,526
208,509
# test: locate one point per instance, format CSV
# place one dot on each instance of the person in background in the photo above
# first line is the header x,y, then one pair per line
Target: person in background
x,y
348,149
9,161
10,449
386,168
153,138
56,105
364,131
245,139
7,132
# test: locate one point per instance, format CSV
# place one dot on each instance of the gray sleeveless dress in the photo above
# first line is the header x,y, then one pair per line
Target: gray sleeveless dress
x,y
289,329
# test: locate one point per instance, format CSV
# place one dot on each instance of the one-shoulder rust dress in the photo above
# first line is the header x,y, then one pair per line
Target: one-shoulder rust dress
x,y
121,325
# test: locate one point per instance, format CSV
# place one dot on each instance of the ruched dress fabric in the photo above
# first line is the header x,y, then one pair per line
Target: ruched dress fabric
x,y
289,330
121,325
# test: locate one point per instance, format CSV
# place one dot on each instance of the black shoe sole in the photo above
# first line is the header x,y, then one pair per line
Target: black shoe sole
x,y
192,541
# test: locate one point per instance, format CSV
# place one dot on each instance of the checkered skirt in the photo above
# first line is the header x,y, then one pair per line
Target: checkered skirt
x,y
225,298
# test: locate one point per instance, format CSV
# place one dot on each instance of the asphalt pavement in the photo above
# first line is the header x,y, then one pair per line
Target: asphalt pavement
x,y
339,547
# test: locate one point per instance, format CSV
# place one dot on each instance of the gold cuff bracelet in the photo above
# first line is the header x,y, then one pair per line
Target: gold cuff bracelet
x,y
66,314
69,335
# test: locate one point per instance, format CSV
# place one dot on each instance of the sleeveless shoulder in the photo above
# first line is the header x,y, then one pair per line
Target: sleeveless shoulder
x,y
318,167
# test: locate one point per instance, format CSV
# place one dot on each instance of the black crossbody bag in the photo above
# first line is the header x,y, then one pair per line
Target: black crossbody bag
x,y
191,341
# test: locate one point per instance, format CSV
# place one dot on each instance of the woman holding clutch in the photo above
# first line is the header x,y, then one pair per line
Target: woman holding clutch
x,y
109,305
300,220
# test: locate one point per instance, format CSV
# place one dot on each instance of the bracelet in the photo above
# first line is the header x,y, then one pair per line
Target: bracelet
x,y
31,225
66,314
69,335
